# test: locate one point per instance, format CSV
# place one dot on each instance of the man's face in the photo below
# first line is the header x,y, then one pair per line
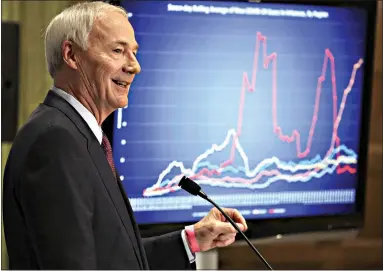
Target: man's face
x,y
109,65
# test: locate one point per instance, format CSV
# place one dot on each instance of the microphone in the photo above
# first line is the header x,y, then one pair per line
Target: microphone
x,y
193,188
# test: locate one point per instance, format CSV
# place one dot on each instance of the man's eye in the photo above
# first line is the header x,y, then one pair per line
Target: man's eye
x,y
118,50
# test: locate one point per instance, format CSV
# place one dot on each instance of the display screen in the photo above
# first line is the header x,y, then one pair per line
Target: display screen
x,y
258,103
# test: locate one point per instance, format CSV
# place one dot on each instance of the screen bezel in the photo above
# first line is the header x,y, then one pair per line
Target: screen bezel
x,y
261,228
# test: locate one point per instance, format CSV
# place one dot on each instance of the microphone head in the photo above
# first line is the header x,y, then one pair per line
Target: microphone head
x,y
189,186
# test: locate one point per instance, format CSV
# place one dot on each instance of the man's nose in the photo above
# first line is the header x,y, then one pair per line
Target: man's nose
x,y
136,67
132,66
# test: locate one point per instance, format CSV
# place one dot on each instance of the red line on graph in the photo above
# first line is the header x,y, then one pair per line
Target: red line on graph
x,y
246,86
345,168
295,136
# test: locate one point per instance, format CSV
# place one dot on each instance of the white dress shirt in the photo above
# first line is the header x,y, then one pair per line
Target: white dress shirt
x,y
90,119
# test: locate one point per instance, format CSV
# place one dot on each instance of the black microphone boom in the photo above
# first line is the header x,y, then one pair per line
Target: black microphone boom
x,y
193,188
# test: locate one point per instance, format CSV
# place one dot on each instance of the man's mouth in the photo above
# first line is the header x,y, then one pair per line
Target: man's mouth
x,y
120,83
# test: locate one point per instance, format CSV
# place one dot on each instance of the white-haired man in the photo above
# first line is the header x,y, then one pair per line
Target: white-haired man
x,y
64,205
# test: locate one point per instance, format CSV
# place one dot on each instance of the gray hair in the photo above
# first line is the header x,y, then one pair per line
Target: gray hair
x,y
74,24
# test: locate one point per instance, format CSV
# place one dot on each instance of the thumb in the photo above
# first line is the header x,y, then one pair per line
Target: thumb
x,y
241,226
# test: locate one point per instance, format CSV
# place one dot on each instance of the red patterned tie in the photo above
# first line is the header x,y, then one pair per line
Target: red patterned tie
x,y
108,152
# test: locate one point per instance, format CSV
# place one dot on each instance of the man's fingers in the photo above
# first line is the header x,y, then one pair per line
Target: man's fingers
x,y
236,216
240,226
226,228
225,243
224,237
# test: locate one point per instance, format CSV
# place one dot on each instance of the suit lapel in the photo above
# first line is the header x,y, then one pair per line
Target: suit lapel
x,y
111,184
136,229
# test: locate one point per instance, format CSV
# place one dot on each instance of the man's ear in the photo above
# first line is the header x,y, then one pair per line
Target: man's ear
x,y
68,50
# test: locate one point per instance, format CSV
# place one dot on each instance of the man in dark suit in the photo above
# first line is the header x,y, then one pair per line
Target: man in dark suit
x,y
64,205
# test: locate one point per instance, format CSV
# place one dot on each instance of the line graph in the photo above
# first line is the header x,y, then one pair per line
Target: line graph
x,y
338,158
263,111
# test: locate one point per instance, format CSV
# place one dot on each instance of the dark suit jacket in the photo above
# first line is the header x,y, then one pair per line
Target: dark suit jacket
x,y
62,206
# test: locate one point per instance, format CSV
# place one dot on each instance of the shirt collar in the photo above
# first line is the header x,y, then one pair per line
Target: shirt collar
x,y
89,118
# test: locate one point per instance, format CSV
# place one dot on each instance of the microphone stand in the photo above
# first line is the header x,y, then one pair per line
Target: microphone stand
x,y
204,196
